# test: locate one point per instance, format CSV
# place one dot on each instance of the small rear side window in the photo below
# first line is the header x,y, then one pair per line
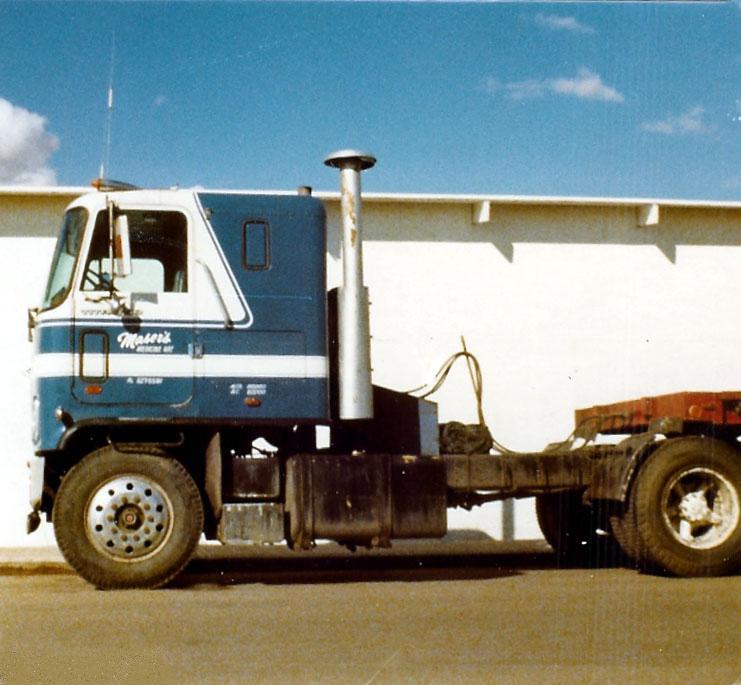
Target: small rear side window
x,y
256,245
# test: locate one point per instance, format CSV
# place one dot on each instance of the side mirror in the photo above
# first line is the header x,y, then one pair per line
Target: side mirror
x,y
121,246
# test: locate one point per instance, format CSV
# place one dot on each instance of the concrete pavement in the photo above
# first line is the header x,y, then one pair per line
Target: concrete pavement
x,y
428,613
17,561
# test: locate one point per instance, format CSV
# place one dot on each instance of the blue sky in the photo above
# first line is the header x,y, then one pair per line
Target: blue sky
x,y
616,99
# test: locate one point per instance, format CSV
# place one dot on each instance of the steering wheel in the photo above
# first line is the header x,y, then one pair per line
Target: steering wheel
x,y
98,281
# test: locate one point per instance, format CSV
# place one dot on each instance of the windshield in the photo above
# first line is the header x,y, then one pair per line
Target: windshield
x,y
65,257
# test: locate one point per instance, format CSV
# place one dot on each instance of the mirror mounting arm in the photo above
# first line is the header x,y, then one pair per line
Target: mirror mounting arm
x,y
117,303
33,314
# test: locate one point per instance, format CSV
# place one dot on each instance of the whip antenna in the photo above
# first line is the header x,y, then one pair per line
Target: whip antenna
x,y
109,115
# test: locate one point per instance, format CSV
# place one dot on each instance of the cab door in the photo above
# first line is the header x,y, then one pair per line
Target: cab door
x,y
133,338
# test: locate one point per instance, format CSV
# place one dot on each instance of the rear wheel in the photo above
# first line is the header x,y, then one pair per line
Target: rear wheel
x,y
127,520
626,534
579,533
686,508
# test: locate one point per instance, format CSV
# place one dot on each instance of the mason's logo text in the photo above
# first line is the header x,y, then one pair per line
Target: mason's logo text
x,y
148,342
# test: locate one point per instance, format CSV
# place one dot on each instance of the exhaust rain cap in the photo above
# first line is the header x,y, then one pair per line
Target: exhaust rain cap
x,y
350,158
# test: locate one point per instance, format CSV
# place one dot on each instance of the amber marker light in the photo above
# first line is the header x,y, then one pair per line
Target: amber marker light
x,y
93,389
252,401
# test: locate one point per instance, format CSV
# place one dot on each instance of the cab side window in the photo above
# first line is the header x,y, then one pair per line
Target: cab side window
x,y
159,254
256,245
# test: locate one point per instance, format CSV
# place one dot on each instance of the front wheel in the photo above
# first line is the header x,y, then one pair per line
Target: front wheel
x,y
127,520
686,507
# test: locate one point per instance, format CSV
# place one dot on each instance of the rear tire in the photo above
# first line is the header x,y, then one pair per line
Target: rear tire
x,y
686,506
626,535
571,528
127,520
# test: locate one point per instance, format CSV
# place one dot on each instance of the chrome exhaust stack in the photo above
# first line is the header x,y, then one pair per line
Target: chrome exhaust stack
x,y
355,388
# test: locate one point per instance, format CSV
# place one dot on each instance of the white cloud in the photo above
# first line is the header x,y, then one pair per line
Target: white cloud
x,y
555,22
524,90
586,85
25,147
690,122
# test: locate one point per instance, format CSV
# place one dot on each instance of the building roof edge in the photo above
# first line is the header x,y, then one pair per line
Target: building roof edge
x,y
424,198
45,190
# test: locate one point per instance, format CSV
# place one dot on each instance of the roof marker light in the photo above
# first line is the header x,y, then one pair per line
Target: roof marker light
x,y
108,184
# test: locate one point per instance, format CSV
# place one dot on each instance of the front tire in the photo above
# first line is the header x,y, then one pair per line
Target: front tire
x,y
127,520
686,508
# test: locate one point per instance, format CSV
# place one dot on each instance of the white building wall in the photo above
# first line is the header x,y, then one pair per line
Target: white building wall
x,y
565,306
28,224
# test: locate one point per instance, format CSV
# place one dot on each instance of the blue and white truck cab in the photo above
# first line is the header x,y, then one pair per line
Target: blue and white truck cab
x,y
217,309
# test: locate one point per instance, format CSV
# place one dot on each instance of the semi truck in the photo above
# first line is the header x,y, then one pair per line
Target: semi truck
x,y
187,353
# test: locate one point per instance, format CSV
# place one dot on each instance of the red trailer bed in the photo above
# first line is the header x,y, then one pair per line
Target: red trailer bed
x,y
715,408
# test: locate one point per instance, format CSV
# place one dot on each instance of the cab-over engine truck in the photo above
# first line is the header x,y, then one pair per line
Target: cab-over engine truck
x,y
179,327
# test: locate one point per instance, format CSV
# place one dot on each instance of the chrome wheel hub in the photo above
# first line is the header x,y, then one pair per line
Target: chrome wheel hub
x,y
701,508
129,518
